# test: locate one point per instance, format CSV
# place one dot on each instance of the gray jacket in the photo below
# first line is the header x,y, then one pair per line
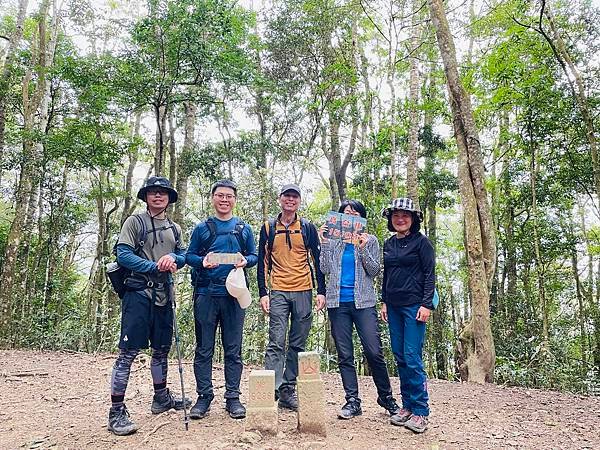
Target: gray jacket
x,y
366,265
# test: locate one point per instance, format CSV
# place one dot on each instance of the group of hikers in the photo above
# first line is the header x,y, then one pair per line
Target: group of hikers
x,y
293,258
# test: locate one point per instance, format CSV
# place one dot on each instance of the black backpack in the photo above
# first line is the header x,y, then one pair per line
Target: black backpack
x,y
305,230
116,273
212,229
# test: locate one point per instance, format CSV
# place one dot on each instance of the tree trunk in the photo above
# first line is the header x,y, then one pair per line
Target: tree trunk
x,y
581,315
54,236
189,128
539,266
480,237
391,70
35,117
412,168
172,150
133,159
562,53
160,112
335,162
5,79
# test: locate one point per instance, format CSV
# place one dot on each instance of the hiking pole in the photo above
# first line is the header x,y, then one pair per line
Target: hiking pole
x,y
186,419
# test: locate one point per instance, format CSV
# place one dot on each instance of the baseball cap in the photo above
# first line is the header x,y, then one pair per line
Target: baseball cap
x,y
236,286
290,187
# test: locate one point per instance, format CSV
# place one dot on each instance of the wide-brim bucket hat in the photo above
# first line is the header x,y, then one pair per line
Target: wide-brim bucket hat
x,y
158,182
236,286
402,204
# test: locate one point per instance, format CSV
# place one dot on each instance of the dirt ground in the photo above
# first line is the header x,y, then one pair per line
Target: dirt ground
x,y
61,400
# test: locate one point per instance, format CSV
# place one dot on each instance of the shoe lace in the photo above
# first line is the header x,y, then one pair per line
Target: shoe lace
x,y
123,414
351,404
419,420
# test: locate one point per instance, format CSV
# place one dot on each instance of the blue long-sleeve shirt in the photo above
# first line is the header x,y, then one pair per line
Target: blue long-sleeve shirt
x,y
127,258
225,242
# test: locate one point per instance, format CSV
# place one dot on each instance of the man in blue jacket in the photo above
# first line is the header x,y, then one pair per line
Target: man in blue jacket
x,y
149,247
223,233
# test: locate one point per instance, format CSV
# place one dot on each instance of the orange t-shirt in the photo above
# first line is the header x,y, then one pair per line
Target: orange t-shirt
x,y
290,270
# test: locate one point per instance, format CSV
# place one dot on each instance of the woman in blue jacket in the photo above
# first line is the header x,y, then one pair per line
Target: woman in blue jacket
x,y
407,295
351,301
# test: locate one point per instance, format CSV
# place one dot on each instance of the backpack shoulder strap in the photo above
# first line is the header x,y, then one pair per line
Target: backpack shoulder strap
x,y
176,233
142,233
272,223
212,235
305,230
238,232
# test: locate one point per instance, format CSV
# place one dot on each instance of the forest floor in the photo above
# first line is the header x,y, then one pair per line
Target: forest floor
x,y
60,400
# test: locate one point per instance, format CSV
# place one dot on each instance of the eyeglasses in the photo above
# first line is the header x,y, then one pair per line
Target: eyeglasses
x,y
224,196
157,191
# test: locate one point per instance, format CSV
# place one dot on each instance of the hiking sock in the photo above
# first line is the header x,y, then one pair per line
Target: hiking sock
x,y
117,400
120,376
159,367
160,388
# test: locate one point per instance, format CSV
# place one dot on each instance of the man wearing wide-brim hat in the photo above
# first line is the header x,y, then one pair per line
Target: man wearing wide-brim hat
x,y
149,247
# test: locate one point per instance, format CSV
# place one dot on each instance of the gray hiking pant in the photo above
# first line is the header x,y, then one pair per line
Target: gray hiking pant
x,y
295,308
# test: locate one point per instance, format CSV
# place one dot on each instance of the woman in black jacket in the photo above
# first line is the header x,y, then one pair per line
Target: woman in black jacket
x,y
407,295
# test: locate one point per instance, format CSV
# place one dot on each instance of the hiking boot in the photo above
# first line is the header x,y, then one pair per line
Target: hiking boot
x,y
400,417
235,408
288,398
389,403
350,409
418,424
201,407
119,422
164,401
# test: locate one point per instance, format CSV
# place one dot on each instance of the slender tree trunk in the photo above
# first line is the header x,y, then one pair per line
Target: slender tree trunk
x,y
54,236
5,78
562,54
160,112
413,113
172,150
480,237
35,114
133,159
539,266
367,118
333,156
391,85
189,128
581,315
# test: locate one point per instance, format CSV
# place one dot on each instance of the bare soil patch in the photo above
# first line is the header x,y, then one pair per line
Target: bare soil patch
x,y
61,400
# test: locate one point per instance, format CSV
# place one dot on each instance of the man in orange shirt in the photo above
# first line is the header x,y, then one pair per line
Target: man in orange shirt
x,y
289,250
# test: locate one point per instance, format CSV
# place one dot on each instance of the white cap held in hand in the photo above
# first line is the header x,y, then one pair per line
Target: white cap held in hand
x,y
236,286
